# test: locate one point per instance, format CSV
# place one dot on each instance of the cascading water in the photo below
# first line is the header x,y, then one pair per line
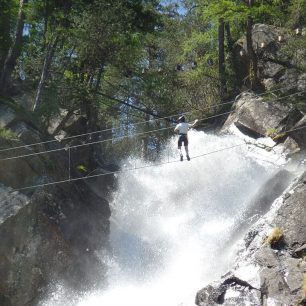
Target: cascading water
x,y
172,224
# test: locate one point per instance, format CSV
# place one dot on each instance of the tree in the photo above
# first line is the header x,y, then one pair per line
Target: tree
x,y
222,75
14,51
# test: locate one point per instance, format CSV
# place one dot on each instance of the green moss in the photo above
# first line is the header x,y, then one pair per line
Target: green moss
x,y
275,236
7,134
271,132
82,168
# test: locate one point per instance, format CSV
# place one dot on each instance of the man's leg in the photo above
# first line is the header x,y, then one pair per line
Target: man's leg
x,y
187,153
179,144
181,154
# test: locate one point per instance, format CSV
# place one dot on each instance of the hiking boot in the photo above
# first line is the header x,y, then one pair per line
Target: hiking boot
x,y
181,157
188,158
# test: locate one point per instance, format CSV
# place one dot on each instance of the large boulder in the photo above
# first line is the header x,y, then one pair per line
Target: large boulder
x,y
268,274
32,250
298,132
257,117
17,169
52,236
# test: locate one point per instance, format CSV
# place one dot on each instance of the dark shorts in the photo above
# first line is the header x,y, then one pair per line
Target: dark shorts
x,y
182,139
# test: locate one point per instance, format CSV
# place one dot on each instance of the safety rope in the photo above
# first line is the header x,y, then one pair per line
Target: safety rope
x,y
125,136
124,170
134,124
141,167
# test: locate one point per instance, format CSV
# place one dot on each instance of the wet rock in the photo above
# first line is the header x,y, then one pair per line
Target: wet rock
x,y
288,148
271,190
277,273
299,132
258,116
231,291
51,236
54,233
28,251
266,257
292,217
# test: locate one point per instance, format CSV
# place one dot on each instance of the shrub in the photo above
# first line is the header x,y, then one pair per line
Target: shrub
x,y
275,236
7,134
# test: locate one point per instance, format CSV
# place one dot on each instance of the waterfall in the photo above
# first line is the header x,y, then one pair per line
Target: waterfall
x,y
172,225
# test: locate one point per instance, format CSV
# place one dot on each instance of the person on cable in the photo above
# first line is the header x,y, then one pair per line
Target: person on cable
x,y
182,128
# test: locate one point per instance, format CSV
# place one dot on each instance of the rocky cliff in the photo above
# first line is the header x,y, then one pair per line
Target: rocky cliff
x,y
50,233
270,266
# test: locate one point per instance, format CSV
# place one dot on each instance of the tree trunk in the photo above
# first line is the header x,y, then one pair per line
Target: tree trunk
x,y
5,39
99,77
222,76
232,57
14,51
253,69
45,72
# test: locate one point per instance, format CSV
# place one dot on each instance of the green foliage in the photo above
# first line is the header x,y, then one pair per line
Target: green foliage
x,y
7,134
108,53
8,13
82,168
295,50
297,13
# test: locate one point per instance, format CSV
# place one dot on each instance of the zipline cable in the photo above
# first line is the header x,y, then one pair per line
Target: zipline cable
x,y
134,124
141,167
122,137
125,170
102,141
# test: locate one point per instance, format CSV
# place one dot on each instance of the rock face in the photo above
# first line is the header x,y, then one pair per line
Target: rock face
x,y
299,132
256,117
51,233
264,274
276,66
28,242
49,237
279,72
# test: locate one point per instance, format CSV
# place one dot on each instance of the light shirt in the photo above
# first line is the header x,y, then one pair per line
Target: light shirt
x,y
183,127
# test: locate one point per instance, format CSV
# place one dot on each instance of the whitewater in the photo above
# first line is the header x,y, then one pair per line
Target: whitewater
x,y
173,225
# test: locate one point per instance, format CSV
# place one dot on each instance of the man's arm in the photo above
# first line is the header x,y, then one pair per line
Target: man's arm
x,y
194,123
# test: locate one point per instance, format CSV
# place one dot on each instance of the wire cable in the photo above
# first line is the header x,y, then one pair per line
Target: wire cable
x,y
134,168
102,141
125,170
142,167
135,124
125,136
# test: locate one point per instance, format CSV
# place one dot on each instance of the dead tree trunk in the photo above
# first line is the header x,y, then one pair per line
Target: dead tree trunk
x,y
222,76
14,51
232,57
45,72
253,66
